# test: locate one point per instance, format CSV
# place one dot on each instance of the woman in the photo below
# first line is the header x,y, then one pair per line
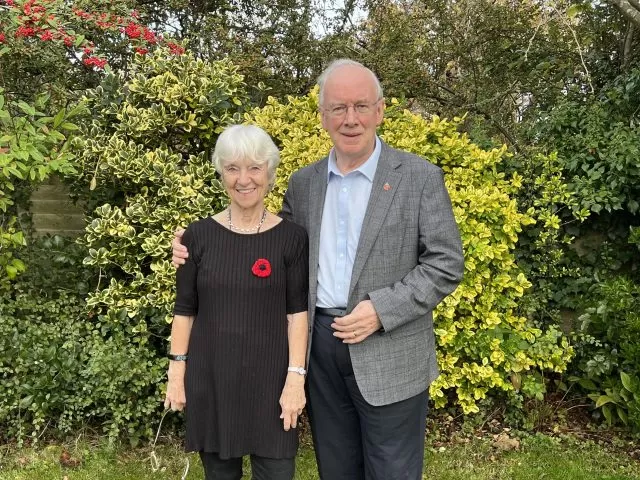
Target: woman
x,y
240,318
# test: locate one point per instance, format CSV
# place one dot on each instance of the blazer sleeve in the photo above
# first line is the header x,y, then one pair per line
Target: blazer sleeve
x,y
287,202
440,264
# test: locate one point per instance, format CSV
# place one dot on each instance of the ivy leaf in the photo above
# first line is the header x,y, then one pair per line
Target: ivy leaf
x,y
18,239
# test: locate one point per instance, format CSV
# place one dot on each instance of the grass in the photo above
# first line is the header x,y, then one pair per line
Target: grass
x,y
539,457
471,458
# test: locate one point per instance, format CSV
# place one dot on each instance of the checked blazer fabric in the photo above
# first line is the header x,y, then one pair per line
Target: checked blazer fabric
x,y
409,257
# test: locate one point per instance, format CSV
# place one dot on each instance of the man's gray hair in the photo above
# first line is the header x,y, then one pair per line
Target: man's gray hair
x,y
246,141
342,62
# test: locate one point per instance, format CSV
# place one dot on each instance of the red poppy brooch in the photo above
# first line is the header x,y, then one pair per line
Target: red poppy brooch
x,y
262,268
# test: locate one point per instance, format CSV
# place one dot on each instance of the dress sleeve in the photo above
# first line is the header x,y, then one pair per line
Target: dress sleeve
x,y
186,278
298,273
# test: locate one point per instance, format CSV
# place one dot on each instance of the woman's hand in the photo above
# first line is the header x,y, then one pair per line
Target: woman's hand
x,y
292,400
176,398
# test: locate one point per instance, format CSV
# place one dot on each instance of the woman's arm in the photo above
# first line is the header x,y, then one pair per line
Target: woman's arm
x,y
180,333
292,400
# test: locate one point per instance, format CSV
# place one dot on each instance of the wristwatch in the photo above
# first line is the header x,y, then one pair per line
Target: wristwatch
x,y
177,358
298,370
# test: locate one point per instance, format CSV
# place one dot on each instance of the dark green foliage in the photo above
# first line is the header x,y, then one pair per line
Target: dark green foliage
x,y
82,333
599,148
598,143
559,85
60,368
275,44
608,350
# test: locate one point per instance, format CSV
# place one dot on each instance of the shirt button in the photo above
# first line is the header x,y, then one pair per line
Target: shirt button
x,y
344,189
341,255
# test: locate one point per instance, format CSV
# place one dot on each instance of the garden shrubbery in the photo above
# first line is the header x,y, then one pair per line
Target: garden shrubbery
x,y
97,356
143,167
33,146
598,142
61,367
89,345
485,345
608,350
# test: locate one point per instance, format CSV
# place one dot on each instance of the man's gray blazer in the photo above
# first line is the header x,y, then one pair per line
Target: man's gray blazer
x,y
408,259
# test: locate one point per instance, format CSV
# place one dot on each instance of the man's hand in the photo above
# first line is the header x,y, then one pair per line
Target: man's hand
x,y
292,400
358,325
180,252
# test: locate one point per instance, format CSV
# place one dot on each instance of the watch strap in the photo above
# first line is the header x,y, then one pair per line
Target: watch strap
x,y
177,358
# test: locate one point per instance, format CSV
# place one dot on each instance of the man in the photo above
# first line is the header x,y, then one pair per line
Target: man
x,y
384,251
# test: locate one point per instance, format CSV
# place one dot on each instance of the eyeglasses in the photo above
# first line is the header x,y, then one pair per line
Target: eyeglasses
x,y
341,110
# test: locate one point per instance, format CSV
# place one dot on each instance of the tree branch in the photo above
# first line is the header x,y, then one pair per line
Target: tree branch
x,y
629,8
628,44
483,113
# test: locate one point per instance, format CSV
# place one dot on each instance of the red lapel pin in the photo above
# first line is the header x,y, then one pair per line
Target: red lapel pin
x,y
387,186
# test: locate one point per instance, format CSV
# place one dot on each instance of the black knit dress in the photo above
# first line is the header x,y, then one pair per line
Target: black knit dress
x,y
238,348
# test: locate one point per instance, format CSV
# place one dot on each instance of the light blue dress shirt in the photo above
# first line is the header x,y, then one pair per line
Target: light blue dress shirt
x,y
344,207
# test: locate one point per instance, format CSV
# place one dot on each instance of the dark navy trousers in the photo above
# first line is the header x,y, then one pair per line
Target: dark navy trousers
x,y
262,468
354,440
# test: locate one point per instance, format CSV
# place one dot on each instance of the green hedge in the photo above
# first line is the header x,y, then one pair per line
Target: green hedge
x,y
484,345
143,164
60,366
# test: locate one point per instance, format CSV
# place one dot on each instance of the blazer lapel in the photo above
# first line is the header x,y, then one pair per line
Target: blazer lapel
x,y
385,185
317,193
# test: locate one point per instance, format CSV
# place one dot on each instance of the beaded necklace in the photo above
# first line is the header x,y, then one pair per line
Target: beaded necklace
x,y
246,230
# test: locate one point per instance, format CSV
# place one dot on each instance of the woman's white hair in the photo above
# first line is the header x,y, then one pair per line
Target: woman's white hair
x,y
248,142
342,62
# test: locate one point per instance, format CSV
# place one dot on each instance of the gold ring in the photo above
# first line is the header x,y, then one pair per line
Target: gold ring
x,y
354,334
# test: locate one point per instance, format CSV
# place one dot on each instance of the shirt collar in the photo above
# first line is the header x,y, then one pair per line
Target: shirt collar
x,y
368,168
